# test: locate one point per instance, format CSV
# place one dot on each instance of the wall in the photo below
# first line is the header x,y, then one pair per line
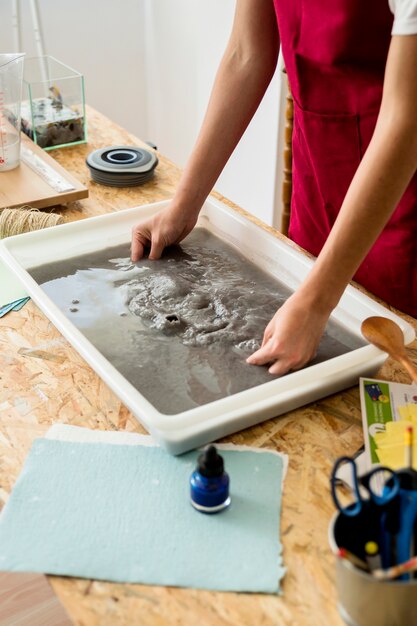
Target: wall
x,y
102,39
185,40
149,65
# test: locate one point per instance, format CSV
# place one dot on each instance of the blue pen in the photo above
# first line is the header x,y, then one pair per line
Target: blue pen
x,y
406,510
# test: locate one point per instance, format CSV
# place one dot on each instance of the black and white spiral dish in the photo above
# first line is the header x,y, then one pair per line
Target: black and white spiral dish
x,y
121,166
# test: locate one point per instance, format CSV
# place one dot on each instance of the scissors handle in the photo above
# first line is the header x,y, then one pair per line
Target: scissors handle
x,y
382,484
352,509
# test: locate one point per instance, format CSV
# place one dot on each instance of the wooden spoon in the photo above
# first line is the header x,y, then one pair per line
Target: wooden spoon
x,y
388,336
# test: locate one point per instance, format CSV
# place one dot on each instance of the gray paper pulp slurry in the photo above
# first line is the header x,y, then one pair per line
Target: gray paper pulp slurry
x,y
178,329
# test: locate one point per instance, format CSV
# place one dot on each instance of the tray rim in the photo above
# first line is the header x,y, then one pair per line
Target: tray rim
x,y
178,431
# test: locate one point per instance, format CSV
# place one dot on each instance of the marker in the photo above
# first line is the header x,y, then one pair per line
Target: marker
x,y
396,570
373,558
352,558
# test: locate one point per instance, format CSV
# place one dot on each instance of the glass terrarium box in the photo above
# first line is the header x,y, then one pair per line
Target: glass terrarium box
x,y
53,103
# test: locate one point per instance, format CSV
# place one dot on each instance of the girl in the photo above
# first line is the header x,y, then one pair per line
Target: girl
x,y
352,68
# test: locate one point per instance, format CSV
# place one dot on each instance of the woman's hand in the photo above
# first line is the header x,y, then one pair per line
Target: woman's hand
x,y
245,72
292,336
169,226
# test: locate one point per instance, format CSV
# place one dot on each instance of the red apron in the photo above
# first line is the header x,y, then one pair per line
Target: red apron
x,y
335,53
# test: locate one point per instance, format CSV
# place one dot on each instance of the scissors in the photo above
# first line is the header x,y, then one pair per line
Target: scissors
x,y
372,518
381,483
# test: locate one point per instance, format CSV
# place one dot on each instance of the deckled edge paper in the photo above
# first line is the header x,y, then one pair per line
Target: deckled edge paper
x,y
11,289
65,433
13,306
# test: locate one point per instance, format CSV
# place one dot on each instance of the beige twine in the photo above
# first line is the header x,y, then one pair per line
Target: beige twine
x,y
25,219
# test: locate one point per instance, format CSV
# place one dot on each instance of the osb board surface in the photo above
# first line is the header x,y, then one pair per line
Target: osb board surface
x,y
43,380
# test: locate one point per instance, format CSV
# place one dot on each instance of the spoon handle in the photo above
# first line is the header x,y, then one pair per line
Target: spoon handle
x,y
409,366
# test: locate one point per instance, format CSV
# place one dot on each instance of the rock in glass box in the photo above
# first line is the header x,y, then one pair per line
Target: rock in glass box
x,y
53,103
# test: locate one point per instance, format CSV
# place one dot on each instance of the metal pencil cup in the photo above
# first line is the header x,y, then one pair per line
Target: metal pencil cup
x,y
366,601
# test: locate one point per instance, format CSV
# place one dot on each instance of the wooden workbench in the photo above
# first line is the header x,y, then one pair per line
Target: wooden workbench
x,y
43,380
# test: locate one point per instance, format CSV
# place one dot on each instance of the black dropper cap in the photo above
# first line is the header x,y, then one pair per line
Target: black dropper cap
x,y
209,463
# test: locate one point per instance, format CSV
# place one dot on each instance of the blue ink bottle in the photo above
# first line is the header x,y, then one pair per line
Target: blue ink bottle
x,y
209,483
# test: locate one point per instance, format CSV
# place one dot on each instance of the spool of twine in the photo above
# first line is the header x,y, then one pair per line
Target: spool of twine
x,y
25,219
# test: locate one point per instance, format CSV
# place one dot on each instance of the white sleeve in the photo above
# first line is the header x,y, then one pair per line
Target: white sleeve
x,y
405,17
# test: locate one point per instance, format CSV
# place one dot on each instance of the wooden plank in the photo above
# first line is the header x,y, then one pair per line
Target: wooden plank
x,y
29,600
23,185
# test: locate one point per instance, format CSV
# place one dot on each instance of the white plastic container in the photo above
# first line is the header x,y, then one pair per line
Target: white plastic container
x,y
11,73
197,426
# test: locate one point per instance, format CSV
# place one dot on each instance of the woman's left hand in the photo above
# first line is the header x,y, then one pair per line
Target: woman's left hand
x,y
292,336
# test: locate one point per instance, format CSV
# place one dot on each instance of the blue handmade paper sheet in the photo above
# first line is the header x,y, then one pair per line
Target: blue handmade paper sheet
x,y
122,513
11,289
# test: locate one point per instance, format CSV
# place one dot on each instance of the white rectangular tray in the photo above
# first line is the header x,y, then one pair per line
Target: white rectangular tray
x,y
189,429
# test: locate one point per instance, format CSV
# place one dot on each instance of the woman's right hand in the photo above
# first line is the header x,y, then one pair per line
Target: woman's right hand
x,y
170,226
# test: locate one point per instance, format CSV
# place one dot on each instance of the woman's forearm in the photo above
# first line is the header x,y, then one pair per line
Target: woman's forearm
x,y
380,181
242,79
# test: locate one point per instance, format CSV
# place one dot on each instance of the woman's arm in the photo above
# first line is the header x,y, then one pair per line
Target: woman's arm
x,y
244,74
292,337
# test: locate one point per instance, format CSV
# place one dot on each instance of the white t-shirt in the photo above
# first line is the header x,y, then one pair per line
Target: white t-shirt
x,y
405,17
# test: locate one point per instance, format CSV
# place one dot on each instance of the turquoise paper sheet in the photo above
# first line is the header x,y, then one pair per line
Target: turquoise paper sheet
x,y
122,513
10,288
